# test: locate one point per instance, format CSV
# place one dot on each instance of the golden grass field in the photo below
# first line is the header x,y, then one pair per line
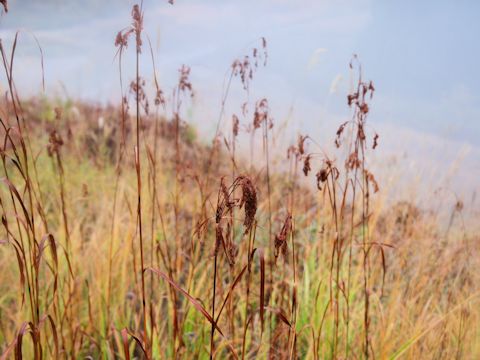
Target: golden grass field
x,y
124,235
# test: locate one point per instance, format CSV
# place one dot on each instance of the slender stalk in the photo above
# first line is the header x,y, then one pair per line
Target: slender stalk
x,y
270,238
139,203
115,192
212,331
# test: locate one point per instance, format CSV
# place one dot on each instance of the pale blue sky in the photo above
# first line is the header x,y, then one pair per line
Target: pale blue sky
x,y
422,55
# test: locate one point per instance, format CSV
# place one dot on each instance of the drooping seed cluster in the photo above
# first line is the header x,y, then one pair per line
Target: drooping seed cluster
x,y
282,237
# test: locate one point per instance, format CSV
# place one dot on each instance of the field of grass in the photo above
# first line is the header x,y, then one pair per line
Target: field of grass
x,y
126,236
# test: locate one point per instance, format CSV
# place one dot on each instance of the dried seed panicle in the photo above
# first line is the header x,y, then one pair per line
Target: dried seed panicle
x,y
375,141
235,125
232,252
327,170
137,25
218,238
159,98
140,92
281,237
248,200
306,165
301,143
321,175
371,180
353,161
261,114
246,67
339,133
292,150
55,141
184,84
121,40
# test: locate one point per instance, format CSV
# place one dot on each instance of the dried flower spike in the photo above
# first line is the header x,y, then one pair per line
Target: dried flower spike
x,y
306,165
301,144
322,176
137,25
235,125
249,200
375,141
55,141
281,237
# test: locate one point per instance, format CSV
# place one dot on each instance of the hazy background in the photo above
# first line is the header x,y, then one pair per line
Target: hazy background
x,y
421,55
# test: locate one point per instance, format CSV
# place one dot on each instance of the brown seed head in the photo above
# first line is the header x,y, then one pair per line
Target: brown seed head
x,y
235,125
352,162
218,238
249,200
306,165
282,236
55,141
121,40
159,98
137,25
375,141
292,150
322,176
371,180
140,93
261,113
232,253
184,84
301,144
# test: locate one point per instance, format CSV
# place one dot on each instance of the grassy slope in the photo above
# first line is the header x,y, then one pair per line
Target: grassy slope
x,y
427,307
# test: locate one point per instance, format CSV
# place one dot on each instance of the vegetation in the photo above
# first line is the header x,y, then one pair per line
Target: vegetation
x,y
124,236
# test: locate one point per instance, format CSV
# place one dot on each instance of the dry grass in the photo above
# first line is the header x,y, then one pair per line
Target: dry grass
x,y
124,237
